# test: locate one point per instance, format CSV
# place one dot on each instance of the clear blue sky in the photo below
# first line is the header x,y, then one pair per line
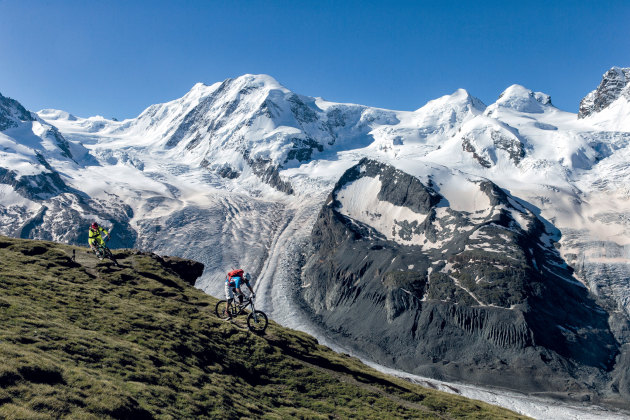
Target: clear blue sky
x,y
115,58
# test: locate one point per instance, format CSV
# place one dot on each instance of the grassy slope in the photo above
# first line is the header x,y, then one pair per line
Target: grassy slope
x,y
86,339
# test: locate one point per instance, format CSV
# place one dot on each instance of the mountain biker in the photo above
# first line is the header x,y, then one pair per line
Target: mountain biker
x,y
95,240
233,282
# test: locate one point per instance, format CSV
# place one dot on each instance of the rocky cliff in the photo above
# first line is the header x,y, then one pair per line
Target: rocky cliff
x,y
478,295
615,84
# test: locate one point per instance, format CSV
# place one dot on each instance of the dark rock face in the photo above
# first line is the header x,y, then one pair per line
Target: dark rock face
x,y
302,149
188,270
62,143
404,190
470,148
226,171
615,83
268,172
486,299
12,111
504,139
512,146
34,187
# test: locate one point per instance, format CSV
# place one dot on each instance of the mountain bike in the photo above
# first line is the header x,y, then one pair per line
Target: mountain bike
x,y
256,320
103,251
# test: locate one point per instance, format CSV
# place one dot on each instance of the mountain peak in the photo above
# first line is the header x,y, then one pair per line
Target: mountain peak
x,y
521,99
259,80
462,94
12,112
248,83
55,114
459,98
620,72
615,84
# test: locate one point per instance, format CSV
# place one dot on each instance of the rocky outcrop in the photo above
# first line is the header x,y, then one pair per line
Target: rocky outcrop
x,y
615,84
485,298
187,270
269,173
490,141
41,186
11,112
401,190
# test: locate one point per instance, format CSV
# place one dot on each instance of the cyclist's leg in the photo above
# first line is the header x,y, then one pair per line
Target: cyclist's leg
x,y
101,245
229,296
237,288
94,244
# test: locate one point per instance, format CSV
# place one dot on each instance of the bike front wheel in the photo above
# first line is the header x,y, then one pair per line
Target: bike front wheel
x,y
223,311
257,322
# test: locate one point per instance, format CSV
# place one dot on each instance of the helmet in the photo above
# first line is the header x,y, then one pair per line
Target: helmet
x,y
94,226
248,277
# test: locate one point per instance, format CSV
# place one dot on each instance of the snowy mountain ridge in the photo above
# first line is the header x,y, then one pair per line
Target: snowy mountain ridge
x,y
255,113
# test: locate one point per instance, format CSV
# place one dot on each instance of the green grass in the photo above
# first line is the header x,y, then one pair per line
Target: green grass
x,y
87,340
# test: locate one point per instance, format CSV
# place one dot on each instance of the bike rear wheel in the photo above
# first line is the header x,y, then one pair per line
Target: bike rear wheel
x,y
109,255
257,322
223,311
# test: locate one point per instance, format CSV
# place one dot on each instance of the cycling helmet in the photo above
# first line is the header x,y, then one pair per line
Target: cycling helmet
x,y
94,226
247,277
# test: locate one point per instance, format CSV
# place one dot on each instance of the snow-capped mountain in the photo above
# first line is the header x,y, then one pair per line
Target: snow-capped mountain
x,y
609,104
253,125
39,189
28,143
238,173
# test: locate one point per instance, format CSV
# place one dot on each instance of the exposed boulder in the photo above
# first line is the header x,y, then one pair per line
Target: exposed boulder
x,y
188,270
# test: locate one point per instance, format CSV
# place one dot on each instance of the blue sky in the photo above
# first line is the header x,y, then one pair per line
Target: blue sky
x,y
115,58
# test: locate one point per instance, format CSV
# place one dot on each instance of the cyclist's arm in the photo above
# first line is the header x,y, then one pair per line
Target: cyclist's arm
x,y
250,289
237,285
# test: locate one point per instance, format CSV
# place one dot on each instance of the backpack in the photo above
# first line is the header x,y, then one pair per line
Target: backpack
x,y
236,273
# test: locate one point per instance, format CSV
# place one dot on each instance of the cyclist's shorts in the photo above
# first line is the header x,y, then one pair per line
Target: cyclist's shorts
x,y
229,290
97,240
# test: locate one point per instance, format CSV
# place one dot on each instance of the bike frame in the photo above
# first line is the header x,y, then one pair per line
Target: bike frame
x,y
102,249
244,305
